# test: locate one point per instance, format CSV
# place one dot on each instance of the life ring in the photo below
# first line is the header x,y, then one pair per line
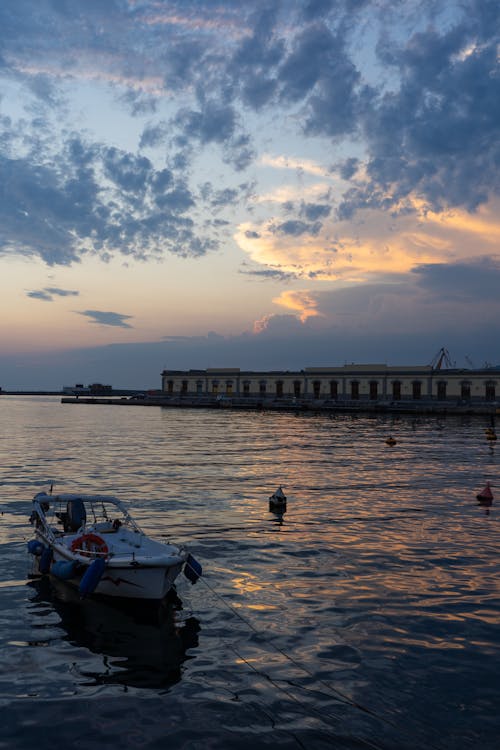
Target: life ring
x,y
90,545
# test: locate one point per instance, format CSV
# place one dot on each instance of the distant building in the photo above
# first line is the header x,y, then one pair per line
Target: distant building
x,y
98,389
94,389
379,383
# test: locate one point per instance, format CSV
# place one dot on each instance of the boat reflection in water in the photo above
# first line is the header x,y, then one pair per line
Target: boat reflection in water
x,y
141,647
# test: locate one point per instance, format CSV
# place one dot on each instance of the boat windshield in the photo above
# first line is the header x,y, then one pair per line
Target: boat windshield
x,y
70,513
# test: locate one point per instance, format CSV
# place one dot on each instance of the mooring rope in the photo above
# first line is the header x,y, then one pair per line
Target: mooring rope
x,y
338,694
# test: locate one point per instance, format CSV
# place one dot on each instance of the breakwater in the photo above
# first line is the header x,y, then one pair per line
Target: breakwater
x,y
426,406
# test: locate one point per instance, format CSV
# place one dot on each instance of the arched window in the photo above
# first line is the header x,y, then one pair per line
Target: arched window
x,y
465,390
490,390
441,390
279,388
296,388
416,389
246,387
396,390
262,387
354,389
373,390
334,389
316,388
184,387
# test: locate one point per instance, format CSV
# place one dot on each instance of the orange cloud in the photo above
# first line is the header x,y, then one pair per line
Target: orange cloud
x,y
375,242
301,302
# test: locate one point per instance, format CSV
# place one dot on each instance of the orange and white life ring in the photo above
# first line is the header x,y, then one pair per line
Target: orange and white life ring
x,y
89,545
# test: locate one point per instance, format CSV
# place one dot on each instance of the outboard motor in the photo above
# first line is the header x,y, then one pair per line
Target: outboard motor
x,y
75,515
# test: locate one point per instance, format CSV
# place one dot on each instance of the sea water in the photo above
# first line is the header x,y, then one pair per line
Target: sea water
x,y
366,616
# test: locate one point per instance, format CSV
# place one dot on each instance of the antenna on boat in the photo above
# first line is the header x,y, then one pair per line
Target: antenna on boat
x,y
51,488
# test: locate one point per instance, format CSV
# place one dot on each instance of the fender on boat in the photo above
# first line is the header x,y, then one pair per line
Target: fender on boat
x,y
35,547
63,569
192,569
45,560
91,577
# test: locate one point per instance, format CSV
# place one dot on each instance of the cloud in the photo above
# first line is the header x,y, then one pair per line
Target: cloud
x,y
41,295
473,282
436,134
374,244
302,301
272,274
48,294
454,299
307,166
62,210
428,128
214,123
107,318
314,211
297,228
255,61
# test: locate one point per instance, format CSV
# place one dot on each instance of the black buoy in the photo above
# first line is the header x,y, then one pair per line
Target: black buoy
x,y
277,501
485,496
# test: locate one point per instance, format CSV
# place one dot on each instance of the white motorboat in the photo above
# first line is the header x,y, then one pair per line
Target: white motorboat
x,y
93,543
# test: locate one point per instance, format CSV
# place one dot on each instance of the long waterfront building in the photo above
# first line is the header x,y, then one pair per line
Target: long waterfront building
x,y
349,383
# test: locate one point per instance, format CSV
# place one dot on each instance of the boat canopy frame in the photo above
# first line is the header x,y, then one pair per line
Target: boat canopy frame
x,y
51,510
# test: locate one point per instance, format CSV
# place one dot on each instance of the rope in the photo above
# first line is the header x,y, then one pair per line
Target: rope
x,y
292,697
339,694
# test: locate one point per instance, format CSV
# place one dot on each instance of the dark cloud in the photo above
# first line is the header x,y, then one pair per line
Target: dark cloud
x,y
178,200
62,292
312,55
437,134
153,135
48,294
296,228
107,318
216,122
40,294
94,198
349,168
320,73
271,274
161,180
314,211
127,171
253,65
225,197
476,282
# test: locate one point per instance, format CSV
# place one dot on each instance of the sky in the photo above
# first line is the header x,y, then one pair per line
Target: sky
x,y
263,185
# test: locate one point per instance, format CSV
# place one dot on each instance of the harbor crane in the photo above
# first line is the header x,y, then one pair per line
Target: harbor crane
x,y
440,359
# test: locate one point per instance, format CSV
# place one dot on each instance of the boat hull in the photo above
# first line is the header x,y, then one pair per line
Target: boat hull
x,y
123,582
